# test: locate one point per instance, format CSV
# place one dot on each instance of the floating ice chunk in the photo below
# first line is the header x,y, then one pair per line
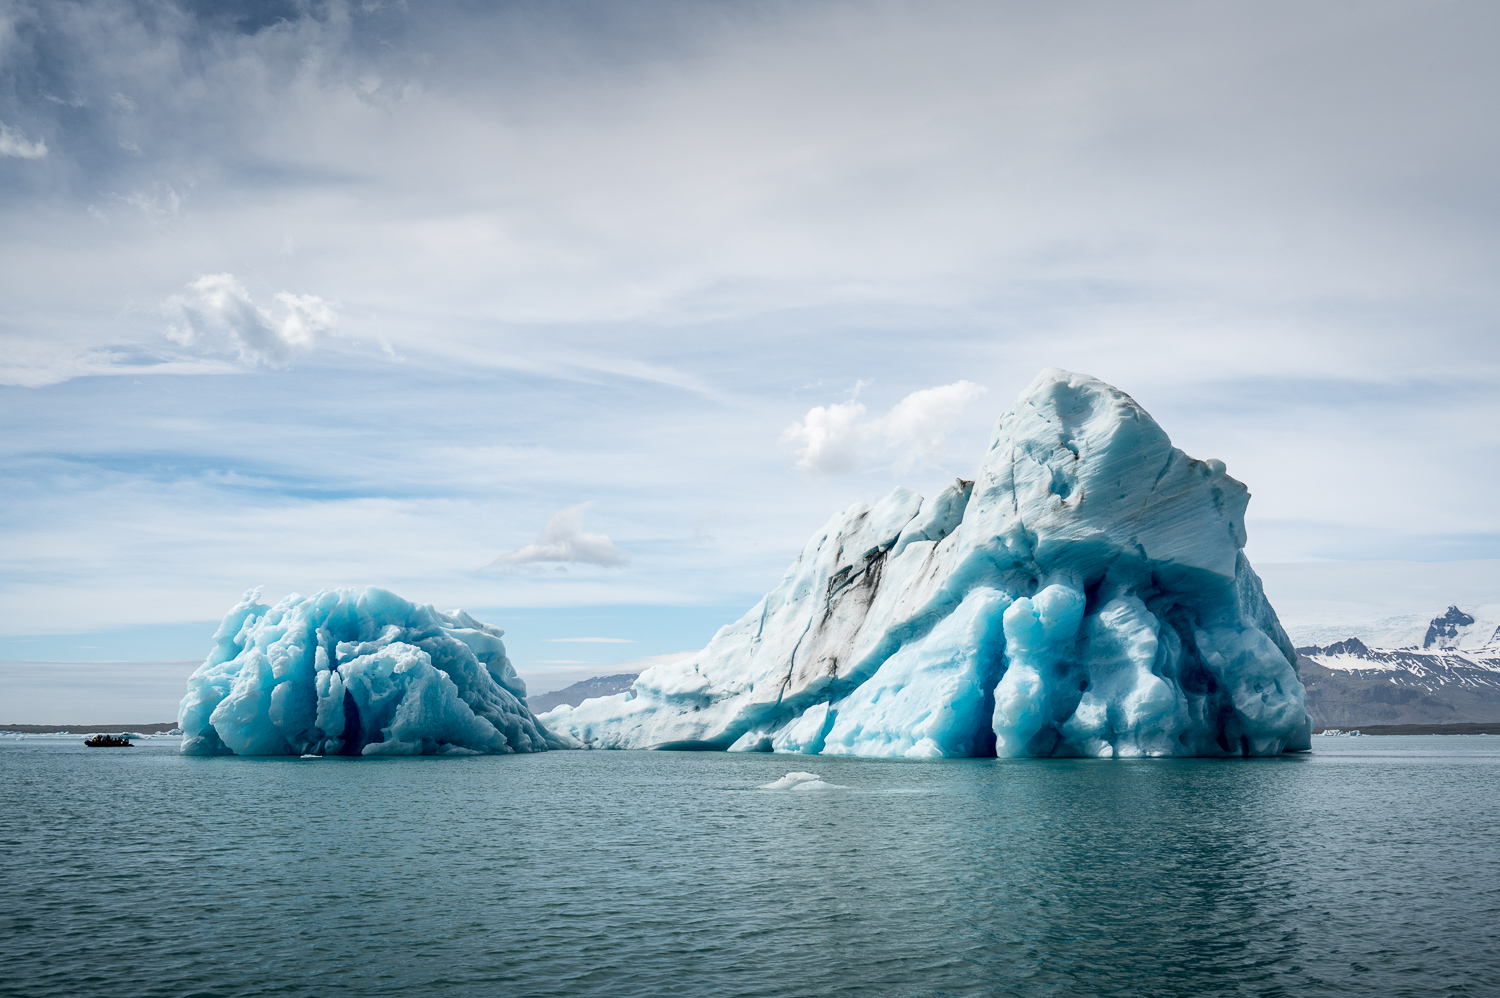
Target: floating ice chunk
x,y
801,781
790,780
1087,594
357,673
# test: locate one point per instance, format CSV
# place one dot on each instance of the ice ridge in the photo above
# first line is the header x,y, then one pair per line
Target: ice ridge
x,y
1087,594
348,672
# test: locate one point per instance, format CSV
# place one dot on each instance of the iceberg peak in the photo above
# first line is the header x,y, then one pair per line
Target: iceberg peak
x,y
1086,593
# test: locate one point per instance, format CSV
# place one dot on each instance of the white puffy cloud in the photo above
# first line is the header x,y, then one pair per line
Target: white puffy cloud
x,y
827,438
14,143
563,540
916,429
217,314
912,435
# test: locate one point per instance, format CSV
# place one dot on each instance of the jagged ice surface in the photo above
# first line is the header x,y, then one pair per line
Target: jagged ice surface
x,y
345,672
1087,595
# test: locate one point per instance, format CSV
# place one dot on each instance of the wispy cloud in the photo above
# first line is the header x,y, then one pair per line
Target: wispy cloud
x,y
669,658
216,314
14,143
701,536
160,204
37,369
563,541
916,429
913,434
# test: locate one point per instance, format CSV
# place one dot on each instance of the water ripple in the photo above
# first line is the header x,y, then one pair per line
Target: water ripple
x,y
1353,872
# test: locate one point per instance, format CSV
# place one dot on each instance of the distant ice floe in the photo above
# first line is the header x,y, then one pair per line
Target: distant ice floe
x,y
801,781
348,672
1086,595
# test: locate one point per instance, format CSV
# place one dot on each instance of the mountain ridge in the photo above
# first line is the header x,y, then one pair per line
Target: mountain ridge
x,y
1452,677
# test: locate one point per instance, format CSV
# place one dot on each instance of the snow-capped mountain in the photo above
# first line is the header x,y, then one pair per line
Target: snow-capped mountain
x,y
1452,676
1329,624
1456,629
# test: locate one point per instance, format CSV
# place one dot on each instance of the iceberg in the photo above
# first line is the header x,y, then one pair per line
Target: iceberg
x,y
347,672
1086,594
801,781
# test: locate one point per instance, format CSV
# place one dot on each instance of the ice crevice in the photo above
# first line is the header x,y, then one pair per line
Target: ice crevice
x,y
1085,594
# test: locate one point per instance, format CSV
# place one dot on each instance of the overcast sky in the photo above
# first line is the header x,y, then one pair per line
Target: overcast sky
x,y
603,304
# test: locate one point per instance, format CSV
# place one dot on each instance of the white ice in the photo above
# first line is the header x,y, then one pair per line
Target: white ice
x,y
348,672
1086,595
801,781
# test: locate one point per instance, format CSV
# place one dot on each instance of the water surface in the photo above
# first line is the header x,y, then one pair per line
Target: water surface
x,y
1367,868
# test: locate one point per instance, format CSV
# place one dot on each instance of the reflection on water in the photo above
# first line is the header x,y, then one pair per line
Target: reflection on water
x,y
1364,869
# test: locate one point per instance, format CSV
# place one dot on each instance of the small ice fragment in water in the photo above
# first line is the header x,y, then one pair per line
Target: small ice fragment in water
x,y
801,781
790,780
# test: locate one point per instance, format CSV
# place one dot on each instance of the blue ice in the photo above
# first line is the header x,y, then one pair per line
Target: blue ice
x,y
346,672
1086,594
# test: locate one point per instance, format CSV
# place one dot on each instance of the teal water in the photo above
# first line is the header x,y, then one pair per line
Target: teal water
x,y
1370,867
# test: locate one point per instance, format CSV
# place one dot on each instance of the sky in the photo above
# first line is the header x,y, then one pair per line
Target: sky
x,y
584,316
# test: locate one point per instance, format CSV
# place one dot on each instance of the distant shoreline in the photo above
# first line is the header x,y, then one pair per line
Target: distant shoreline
x,y
1460,728
54,729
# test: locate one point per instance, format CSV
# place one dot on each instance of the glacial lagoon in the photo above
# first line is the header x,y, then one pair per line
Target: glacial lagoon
x,y
1365,868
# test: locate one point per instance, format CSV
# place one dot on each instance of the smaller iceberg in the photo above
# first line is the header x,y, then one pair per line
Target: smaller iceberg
x,y
801,781
345,672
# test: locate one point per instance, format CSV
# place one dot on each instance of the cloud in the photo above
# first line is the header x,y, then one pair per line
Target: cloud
x,y
913,434
217,314
827,438
563,540
14,144
160,204
701,536
33,369
591,641
917,427
668,658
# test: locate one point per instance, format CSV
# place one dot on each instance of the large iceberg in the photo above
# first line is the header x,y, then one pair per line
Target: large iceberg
x,y
349,672
1086,595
